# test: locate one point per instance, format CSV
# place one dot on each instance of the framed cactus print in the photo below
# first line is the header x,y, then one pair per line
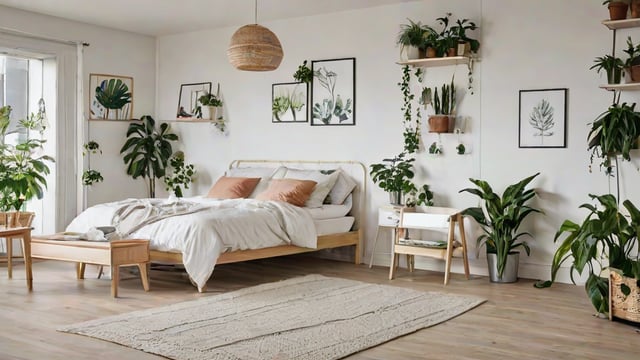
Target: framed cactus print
x,y
333,92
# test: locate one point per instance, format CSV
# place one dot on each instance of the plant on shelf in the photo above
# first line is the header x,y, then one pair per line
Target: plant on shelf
x,y
181,174
606,239
617,9
500,217
632,64
466,45
303,74
212,102
90,176
23,168
414,34
444,106
394,176
614,132
114,94
447,44
147,150
613,67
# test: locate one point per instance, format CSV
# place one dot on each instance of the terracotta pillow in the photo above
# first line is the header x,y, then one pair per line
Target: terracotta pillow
x,y
233,187
293,191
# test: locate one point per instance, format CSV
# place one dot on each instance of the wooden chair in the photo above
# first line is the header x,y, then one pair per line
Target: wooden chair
x,y
435,219
24,219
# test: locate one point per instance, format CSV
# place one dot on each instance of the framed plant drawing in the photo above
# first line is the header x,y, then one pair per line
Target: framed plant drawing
x,y
333,92
188,106
289,102
110,97
543,118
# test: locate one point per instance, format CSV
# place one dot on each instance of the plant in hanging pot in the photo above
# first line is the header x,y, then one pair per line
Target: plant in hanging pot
x,y
500,217
632,64
614,132
613,67
444,107
212,103
606,239
147,150
617,9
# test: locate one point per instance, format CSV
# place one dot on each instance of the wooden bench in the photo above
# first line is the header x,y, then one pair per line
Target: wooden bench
x,y
113,253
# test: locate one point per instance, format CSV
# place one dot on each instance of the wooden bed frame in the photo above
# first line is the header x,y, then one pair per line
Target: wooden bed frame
x,y
355,169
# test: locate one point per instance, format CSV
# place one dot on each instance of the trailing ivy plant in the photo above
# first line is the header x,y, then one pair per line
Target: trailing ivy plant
x,y
181,174
411,132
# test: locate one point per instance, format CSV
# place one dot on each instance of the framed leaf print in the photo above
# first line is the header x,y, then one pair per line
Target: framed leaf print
x,y
110,97
289,102
333,92
543,118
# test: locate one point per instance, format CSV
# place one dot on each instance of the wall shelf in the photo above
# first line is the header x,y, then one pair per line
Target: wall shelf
x,y
440,61
621,24
621,87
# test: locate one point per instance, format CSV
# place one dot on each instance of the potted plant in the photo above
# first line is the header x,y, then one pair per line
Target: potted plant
x,y
211,102
632,64
617,9
448,41
23,169
606,239
91,176
614,132
613,66
466,45
181,175
444,107
411,39
147,150
394,176
303,74
500,217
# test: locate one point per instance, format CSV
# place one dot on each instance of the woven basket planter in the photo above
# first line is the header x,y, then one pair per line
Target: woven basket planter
x,y
623,306
255,48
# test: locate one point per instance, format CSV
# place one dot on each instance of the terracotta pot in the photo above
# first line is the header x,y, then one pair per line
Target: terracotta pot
x,y
634,73
635,9
452,51
431,52
618,10
439,123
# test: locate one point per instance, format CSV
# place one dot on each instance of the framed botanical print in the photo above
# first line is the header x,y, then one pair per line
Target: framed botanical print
x,y
110,97
289,102
333,92
543,118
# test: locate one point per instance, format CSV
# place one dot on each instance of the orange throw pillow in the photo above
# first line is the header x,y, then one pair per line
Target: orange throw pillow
x,y
233,187
295,192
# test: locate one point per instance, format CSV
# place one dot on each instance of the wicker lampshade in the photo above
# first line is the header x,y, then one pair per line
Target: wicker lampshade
x,y
255,48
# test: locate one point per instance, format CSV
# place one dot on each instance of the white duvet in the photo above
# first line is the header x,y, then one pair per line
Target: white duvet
x,y
213,227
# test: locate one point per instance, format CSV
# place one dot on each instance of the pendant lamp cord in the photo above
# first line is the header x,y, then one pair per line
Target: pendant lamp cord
x,y
256,12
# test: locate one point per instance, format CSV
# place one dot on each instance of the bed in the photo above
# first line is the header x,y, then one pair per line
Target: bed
x,y
201,232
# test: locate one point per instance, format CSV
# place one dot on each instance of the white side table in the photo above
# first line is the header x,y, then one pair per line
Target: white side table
x,y
388,217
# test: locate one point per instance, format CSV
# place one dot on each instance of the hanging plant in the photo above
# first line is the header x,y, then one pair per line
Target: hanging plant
x,y
411,132
90,176
304,74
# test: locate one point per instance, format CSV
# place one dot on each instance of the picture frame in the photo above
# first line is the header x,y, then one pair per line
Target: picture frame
x,y
333,92
188,107
543,118
289,102
110,97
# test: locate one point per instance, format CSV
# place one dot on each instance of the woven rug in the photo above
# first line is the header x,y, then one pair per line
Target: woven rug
x,y
311,317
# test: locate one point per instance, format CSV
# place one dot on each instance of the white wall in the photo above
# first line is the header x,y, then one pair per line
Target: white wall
x,y
111,52
525,45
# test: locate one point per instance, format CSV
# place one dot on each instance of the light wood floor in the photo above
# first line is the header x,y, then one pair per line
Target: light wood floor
x,y
517,321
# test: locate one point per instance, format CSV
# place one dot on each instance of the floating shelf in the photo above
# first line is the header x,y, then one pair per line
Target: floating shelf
x,y
621,87
621,24
440,61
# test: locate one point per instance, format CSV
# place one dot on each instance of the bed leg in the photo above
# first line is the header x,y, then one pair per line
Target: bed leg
x,y
358,255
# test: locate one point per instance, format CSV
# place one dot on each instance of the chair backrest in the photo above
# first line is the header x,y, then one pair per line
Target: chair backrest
x,y
432,218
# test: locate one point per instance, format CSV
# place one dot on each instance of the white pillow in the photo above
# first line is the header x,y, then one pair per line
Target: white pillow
x,y
264,173
342,188
324,184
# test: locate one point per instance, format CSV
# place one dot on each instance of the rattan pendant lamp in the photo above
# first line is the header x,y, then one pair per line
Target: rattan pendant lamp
x,y
255,48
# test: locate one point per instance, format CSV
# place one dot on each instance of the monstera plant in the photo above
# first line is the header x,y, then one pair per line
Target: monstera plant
x,y
114,94
147,150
